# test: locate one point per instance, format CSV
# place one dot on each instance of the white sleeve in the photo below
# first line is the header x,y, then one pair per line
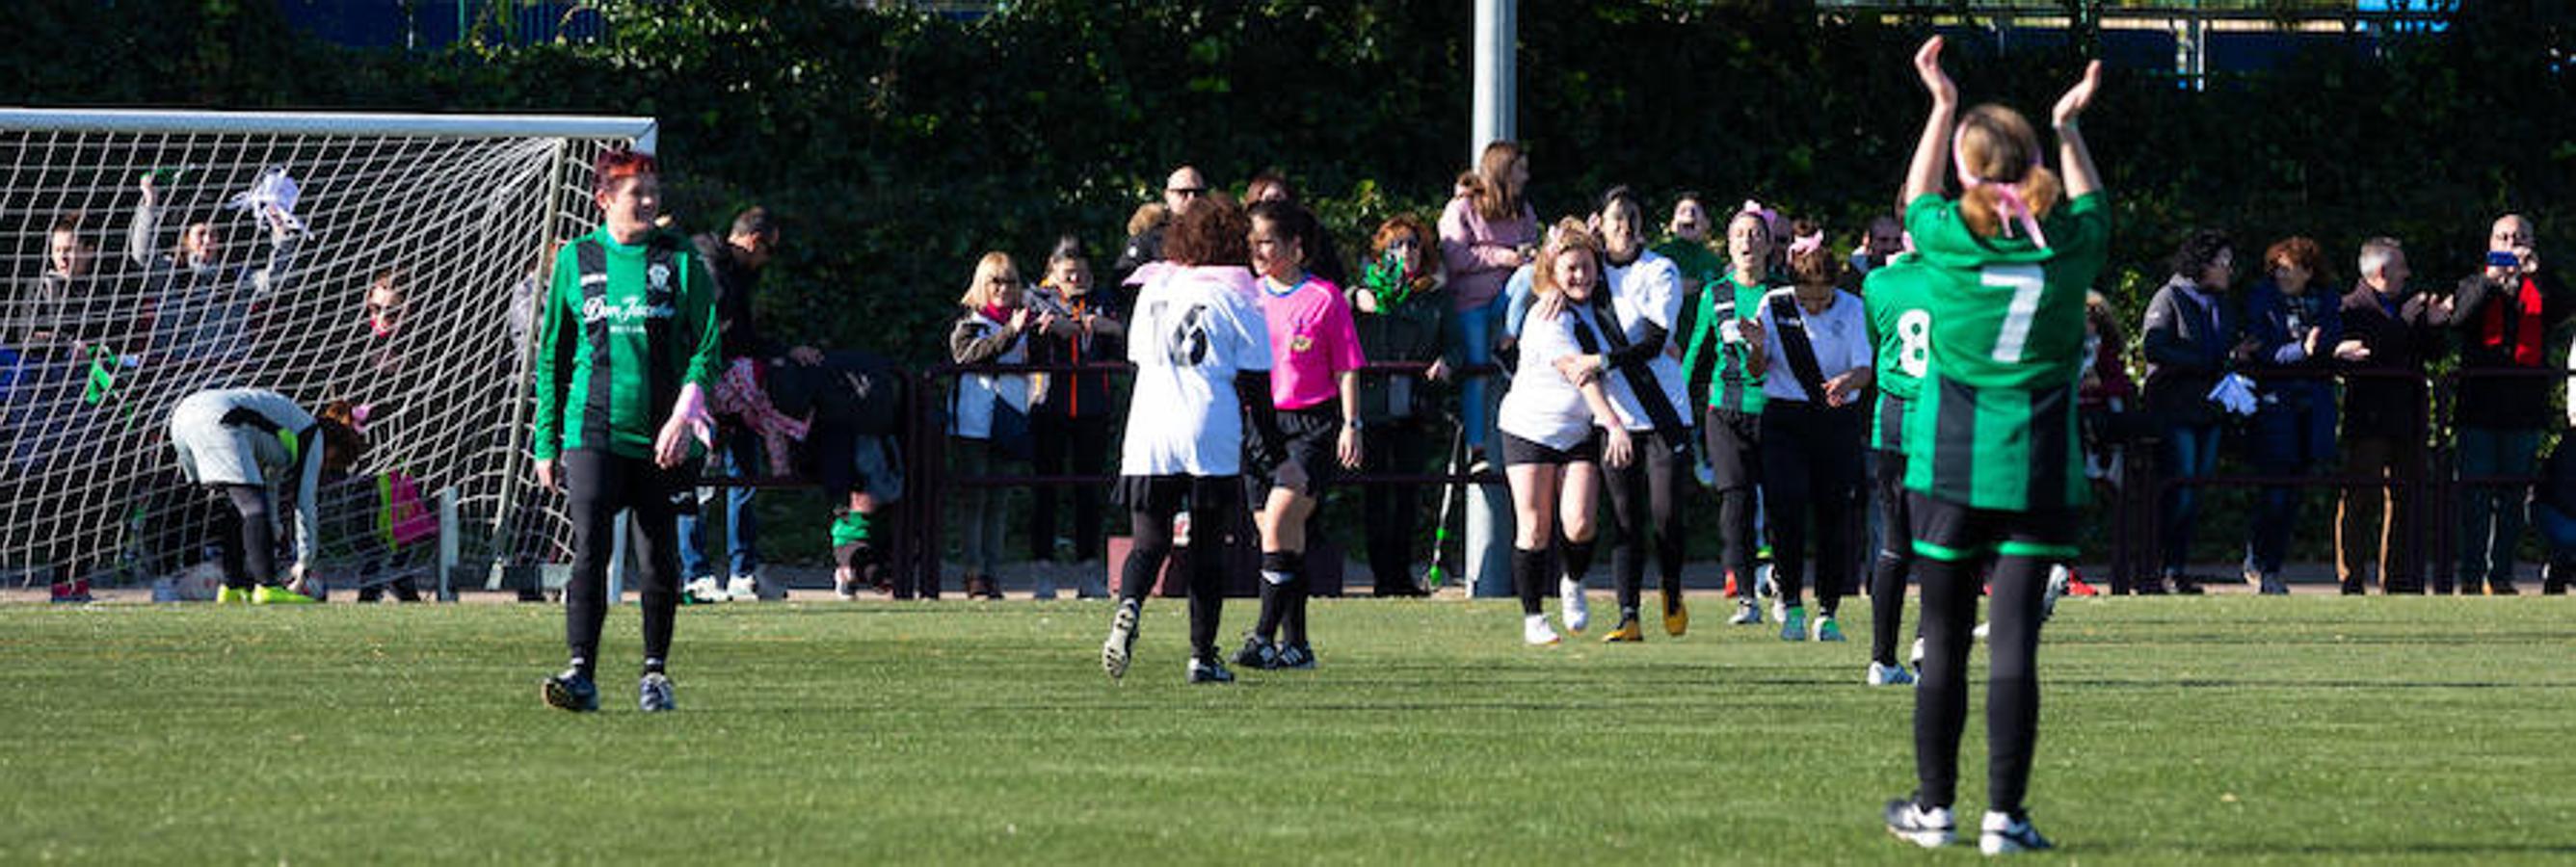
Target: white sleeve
x,y
1248,327
1862,353
1661,300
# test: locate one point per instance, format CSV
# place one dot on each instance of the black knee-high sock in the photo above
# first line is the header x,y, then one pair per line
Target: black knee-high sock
x,y
1529,572
2012,681
1941,696
1278,569
1145,558
1578,559
1299,589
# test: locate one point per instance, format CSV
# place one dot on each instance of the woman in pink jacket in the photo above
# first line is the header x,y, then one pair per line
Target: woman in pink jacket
x,y
1487,232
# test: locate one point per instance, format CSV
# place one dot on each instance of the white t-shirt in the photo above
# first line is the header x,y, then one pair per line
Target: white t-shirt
x,y
1543,406
1840,335
1192,330
1648,290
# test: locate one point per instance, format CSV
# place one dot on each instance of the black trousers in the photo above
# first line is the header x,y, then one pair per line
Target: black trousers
x,y
600,485
1083,445
1811,457
1214,503
1647,495
1394,511
1735,456
245,540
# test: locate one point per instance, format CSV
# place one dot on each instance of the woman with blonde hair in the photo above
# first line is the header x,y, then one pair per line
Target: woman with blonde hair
x,y
988,420
1552,450
1994,472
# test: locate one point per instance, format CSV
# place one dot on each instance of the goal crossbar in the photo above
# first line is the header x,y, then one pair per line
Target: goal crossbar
x,y
149,121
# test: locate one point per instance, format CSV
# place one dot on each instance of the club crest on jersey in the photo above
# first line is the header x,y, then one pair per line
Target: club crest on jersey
x,y
658,277
1301,343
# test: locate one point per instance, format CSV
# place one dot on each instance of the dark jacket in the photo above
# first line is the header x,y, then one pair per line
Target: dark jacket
x,y
2556,487
737,283
2187,346
1087,395
2401,336
2489,319
1409,332
2279,323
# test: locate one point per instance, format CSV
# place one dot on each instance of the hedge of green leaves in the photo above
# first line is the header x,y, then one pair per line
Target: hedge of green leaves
x,y
898,146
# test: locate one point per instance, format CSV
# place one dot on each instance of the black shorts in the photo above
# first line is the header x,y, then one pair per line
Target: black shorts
x,y
1311,439
1952,532
1518,452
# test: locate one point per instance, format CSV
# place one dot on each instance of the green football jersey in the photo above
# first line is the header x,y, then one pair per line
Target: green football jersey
x,y
1734,386
592,382
1993,424
1900,327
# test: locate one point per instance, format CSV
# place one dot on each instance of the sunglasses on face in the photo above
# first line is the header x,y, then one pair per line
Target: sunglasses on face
x,y
1192,192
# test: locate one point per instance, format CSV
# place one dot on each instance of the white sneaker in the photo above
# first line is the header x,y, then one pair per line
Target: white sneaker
x,y
1881,674
1930,829
1570,603
742,588
845,586
1916,661
1535,631
2058,578
705,589
1982,629
1746,614
2001,835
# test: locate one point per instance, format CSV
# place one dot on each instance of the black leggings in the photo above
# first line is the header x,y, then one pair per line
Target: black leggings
x,y
1083,443
600,485
1394,511
1646,494
1810,474
2012,680
1734,456
1215,503
1895,560
245,537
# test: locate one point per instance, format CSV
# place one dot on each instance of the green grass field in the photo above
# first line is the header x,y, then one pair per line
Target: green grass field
x,y
2224,730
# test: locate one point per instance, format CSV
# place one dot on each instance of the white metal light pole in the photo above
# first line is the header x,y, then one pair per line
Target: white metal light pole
x,y
1497,109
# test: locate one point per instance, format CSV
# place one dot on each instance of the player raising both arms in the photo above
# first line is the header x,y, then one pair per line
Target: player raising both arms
x,y
1993,470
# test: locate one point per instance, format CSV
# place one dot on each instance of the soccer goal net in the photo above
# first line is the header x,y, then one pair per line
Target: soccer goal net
x,y
382,260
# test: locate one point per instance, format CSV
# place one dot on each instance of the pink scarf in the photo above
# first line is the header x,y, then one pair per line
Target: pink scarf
x,y
739,394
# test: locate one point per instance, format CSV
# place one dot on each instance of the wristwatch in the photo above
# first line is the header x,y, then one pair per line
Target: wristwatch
x,y
1354,424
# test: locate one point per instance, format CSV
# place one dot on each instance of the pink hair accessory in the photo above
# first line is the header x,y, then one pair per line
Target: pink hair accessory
x,y
358,416
1808,243
2016,210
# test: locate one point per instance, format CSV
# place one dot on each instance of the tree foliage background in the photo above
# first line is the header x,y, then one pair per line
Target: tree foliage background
x,y
899,145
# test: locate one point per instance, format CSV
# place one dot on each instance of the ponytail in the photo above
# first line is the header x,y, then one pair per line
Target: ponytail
x,y
1981,207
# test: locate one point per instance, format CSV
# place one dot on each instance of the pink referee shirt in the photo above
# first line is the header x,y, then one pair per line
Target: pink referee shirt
x,y
1311,340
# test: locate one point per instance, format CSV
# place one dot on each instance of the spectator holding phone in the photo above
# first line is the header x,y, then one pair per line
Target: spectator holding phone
x,y
2503,314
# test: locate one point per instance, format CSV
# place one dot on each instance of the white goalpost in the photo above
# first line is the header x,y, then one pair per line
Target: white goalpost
x,y
384,260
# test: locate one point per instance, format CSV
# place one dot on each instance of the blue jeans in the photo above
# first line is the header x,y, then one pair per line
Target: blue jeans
x,y
2491,516
1471,341
2556,528
2291,438
2188,452
741,450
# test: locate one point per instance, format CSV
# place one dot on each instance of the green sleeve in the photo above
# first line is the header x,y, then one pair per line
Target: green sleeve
x,y
1701,326
555,321
698,321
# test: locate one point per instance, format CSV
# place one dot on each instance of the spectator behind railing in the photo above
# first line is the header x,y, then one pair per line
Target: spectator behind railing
x,y
1071,418
2391,331
1400,309
1145,229
1486,232
2295,317
2189,331
988,421
2505,314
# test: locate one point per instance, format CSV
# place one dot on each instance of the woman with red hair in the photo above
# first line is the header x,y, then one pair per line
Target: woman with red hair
x,y
2295,317
626,350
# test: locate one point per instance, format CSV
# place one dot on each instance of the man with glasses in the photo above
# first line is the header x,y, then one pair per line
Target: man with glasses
x,y
2504,314
1182,189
